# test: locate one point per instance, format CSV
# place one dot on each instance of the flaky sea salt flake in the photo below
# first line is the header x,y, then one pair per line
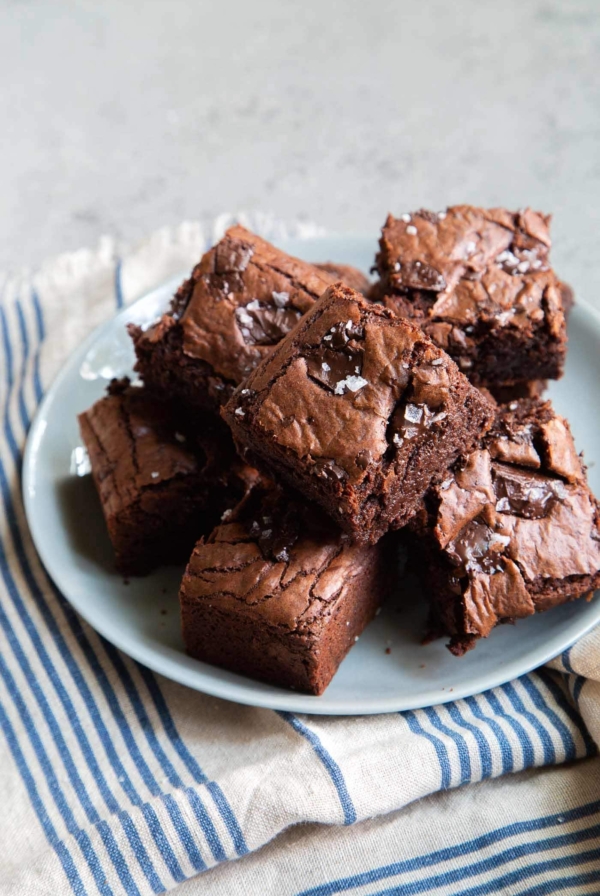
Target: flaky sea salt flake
x,y
352,383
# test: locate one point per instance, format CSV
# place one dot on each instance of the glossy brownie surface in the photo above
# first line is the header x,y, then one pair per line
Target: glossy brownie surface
x,y
278,593
479,282
513,530
359,410
160,485
240,301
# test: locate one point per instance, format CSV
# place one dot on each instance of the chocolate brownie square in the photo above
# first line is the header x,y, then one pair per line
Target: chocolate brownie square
x,y
479,282
277,593
348,275
512,530
160,485
359,410
241,299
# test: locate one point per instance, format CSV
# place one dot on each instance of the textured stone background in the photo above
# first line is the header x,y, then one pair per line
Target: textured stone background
x,y
121,116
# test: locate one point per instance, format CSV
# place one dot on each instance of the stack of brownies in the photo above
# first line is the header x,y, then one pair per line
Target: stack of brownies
x,y
295,422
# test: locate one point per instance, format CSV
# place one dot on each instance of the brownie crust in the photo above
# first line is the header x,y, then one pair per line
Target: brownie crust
x,y
279,594
241,299
359,410
161,485
513,530
480,284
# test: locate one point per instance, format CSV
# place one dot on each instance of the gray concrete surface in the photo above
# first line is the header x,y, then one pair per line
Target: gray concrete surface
x,y
121,116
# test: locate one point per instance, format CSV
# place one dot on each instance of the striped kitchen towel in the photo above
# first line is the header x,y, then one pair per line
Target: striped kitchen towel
x,y
115,781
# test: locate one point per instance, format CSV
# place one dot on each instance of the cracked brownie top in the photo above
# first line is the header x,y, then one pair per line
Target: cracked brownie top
x,y
361,405
241,299
276,559
514,524
466,273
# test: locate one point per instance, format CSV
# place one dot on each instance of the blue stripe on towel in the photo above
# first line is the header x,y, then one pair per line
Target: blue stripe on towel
x,y
203,818
463,850
485,753
506,751
59,847
333,769
439,746
67,759
524,740
552,685
41,333
461,745
118,284
193,767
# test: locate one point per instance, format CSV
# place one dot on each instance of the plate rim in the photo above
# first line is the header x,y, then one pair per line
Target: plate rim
x,y
168,661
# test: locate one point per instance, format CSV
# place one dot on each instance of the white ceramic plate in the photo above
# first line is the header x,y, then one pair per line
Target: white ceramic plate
x,y
142,618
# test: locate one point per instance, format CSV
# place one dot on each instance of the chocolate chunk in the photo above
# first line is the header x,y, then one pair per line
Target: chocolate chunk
x,y
276,536
337,363
529,495
262,324
418,275
478,549
328,469
363,459
333,367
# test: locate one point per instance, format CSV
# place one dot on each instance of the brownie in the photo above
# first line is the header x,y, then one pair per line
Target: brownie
x,y
241,299
513,530
525,389
480,284
348,275
278,593
359,410
160,485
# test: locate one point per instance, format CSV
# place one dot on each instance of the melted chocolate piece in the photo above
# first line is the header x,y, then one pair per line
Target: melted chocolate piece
x,y
477,549
528,495
337,358
363,459
418,275
276,535
330,367
327,468
262,324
